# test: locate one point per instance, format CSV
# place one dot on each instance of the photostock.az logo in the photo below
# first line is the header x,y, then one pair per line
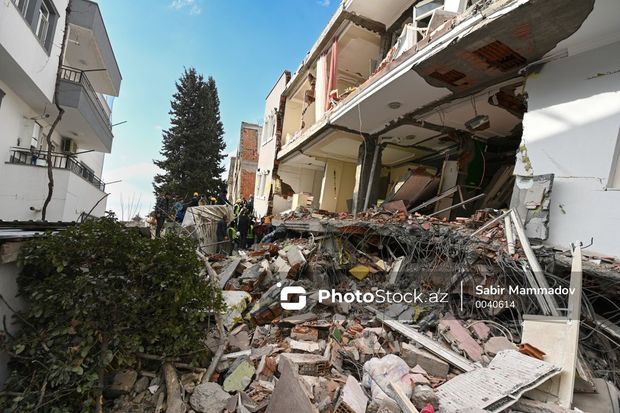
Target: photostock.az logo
x,y
288,291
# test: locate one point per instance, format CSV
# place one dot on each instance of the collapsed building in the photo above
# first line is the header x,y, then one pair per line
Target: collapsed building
x,y
486,103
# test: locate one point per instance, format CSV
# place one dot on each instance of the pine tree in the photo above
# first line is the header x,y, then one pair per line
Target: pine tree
x,y
193,146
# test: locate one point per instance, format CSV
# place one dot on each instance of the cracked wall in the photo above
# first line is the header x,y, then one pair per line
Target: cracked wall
x,y
571,130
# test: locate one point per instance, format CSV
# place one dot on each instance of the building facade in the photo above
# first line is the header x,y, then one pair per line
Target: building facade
x,y
466,100
242,168
31,35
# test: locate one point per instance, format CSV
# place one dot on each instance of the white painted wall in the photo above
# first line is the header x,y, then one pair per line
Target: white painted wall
x,y
21,43
8,289
267,148
24,186
572,129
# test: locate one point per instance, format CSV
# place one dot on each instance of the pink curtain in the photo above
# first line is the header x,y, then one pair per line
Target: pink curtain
x,y
333,73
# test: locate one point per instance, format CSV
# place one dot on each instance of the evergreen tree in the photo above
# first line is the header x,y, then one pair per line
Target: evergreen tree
x,y
193,146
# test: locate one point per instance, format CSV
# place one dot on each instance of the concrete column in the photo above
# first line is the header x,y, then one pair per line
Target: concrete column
x,y
365,158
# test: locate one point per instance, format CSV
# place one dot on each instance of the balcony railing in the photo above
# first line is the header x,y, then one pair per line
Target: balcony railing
x,y
37,157
79,77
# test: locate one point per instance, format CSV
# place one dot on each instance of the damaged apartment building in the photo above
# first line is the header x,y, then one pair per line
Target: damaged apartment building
x,y
453,106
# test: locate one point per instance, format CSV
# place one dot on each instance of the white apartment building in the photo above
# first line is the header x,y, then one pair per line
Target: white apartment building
x,y
31,33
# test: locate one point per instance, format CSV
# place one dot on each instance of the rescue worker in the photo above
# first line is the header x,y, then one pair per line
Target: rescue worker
x,y
163,211
250,236
237,207
194,201
232,236
243,225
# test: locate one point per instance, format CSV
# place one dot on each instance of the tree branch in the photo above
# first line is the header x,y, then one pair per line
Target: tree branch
x,y
61,112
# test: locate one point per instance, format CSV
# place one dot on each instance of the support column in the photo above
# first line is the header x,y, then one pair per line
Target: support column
x,y
368,152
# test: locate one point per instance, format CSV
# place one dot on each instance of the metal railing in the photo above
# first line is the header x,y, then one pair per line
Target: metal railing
x,y
39,158
80,78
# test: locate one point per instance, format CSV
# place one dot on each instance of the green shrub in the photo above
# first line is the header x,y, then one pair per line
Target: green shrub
x,y
99,293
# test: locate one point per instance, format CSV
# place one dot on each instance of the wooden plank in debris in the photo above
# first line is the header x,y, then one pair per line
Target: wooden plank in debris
x,y
432,346
496,387
174,402
402,400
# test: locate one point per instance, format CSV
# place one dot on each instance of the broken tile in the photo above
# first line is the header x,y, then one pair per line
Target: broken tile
x,y
455,333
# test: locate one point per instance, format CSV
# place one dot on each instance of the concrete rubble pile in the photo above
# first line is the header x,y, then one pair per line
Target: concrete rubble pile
x,y
443,355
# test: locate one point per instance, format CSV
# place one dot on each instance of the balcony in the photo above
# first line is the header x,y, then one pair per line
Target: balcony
x,y
87,116
38,158
89,48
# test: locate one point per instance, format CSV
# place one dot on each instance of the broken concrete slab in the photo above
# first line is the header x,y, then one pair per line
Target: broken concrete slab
x,y
415,356
122,383
240,378
209,398
228,272
295,256
282,268
289,395
496,344
352,399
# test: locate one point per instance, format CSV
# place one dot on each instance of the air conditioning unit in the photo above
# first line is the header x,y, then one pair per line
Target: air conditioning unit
x,y
68,145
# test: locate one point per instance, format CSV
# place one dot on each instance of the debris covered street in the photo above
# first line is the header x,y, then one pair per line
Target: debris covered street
x,y
380,206
468,340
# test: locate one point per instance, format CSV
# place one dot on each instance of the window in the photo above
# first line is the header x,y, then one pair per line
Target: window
x,y
43,23
22,6
269,128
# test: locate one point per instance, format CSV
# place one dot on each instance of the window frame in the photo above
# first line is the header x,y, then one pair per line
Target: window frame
x,y
43,17
22,6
